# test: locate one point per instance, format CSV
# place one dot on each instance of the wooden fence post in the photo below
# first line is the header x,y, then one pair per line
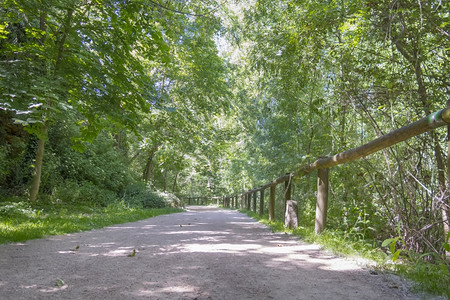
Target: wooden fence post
x,y
248,201
261,202
272,203
322,200
287,191
287,188
254,201
291,215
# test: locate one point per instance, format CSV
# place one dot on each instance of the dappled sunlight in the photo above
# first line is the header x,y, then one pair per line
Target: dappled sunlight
x,y
242,223
121,251
55,289
112,228
195,232
148,226
66,252
210,256
222,248
102,245
27,286
152,291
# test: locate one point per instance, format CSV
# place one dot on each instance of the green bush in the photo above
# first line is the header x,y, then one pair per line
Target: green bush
x,y
170,199
101,162
14,167
140,195
10,209
82,193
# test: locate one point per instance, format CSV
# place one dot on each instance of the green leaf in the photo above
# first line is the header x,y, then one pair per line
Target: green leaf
x,y
447,247
389,241
396,255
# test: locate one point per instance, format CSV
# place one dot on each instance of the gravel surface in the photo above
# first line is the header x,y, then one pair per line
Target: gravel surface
x,y
203,253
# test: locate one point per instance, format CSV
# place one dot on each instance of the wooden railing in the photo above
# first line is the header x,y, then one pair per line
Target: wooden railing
x,y
322,165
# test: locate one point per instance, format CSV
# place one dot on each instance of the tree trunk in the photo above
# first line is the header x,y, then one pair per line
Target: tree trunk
x,y
165,180
36,181
174,183
148,171
118,138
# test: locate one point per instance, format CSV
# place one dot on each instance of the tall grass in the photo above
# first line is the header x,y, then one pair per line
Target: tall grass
x,y
21,221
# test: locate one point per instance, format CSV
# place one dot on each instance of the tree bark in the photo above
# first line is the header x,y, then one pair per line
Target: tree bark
x,y
165,180
272,204
174,183
261,202
148,171
36,181
322,200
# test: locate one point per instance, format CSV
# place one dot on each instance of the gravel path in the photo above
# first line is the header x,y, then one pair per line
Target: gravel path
x,y
203,253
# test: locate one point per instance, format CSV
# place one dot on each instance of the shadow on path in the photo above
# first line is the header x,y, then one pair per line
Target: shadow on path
x,y
203,253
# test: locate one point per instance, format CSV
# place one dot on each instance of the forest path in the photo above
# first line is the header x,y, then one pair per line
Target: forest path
x,y
203,253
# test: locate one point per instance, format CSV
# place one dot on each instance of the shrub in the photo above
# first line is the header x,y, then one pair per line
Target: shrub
x,y
10,209
83,193
170,199
140,195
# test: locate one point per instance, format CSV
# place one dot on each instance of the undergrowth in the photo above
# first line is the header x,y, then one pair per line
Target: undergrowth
x,y
21,220
430,277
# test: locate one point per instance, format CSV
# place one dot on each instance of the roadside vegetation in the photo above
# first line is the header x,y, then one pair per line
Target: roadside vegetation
x,y
21,220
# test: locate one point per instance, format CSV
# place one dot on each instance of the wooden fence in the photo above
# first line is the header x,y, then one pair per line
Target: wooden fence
x,y
322,165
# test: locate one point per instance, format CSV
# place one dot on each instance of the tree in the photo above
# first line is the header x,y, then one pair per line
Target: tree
x,y
329,76
65,55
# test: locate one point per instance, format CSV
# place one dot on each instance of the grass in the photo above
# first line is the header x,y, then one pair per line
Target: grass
x,y
21,221
433,278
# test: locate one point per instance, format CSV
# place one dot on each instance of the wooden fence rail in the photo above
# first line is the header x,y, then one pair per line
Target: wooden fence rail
x,y
432,121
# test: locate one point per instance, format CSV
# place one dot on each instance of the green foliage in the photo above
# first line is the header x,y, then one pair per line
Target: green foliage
x,y
4,166
430,277
20,209
429,270
170,199
140,195
83,193
21,221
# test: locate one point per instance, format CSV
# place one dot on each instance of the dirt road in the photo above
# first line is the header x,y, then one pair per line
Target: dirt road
x,y
203,253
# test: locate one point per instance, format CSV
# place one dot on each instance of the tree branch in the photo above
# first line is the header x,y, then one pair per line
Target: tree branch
x,y
182,12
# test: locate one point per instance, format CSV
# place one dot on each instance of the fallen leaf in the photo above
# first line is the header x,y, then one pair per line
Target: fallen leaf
x,y
59,282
